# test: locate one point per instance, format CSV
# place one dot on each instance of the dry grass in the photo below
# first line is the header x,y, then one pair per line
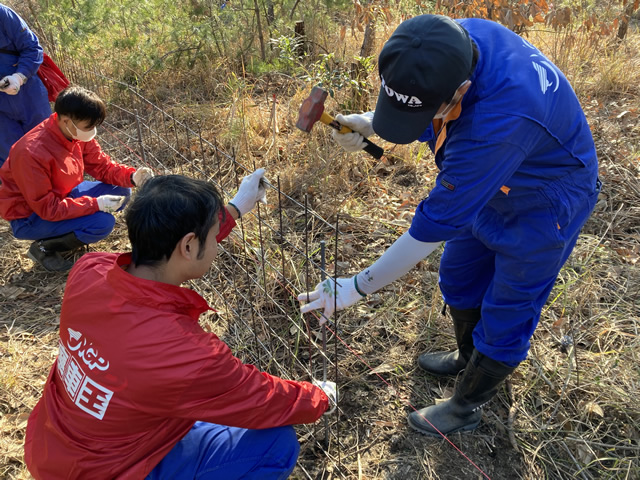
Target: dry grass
x,y
568,411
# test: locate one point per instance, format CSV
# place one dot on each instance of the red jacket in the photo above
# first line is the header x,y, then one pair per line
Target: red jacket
x,y
134,372
44,166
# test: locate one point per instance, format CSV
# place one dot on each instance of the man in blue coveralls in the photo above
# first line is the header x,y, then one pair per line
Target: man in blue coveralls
x,y
518,180
23,97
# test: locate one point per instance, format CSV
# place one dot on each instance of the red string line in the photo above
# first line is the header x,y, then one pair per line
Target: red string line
x,y
404,400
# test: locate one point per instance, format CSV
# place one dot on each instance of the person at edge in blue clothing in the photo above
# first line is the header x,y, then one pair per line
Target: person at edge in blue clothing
x,y
43,194
24,102
518,179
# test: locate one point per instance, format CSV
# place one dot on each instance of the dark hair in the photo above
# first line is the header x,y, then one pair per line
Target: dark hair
x,y
164,210
474,61
81,104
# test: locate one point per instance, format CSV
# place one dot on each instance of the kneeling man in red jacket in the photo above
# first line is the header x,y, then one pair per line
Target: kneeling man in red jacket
x,y
139,389
43,193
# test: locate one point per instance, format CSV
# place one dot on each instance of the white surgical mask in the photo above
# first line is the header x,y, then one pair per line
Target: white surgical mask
x,y
82,135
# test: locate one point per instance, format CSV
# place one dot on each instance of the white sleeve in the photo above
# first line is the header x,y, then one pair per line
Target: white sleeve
x,y
402,256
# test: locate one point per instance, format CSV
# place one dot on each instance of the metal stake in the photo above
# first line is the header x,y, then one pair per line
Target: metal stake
x,y
142,154
323,246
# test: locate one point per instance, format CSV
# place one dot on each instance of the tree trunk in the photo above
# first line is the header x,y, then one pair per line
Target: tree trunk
x,y
624,21
359,94
293,9
263,54
369,38
300,38
270,13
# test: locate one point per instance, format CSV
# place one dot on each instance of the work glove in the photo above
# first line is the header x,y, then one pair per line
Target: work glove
x,y
331,391
12,83
140,176
251,191
324,297
110,203
362,126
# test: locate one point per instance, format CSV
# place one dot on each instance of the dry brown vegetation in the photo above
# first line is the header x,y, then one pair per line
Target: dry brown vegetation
x,y
569,411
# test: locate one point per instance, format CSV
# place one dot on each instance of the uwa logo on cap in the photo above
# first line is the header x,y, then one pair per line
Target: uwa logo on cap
x,y
408,100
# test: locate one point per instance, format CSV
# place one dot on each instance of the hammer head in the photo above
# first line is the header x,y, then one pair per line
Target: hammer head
x,y
311,109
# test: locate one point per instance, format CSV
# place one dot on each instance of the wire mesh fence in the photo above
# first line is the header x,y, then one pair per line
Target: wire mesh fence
x,y
277,252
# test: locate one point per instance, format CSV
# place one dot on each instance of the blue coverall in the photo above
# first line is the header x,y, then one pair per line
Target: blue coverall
x,y
518,179
19,113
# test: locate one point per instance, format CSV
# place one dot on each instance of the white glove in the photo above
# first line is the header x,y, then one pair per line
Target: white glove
x,y
251,190
323,297
110,203
362,126
331,391
15,82
141,175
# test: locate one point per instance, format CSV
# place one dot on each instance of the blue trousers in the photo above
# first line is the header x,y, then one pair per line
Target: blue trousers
x,y
88,229
211,451
20,113
507,263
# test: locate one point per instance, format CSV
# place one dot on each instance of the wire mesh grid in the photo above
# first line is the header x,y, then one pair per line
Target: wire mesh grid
x,y
270,257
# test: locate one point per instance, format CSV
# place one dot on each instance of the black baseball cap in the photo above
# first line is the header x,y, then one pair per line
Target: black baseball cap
x,y
421,65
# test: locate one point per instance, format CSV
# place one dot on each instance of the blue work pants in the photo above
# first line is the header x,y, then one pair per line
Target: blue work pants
x,y
210,451
507,263
88,229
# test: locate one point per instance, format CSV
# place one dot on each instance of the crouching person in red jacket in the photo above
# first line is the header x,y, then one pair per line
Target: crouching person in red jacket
x,y
43,194
139,389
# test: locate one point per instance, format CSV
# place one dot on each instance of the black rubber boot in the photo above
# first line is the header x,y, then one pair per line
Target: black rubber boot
x,y
480,382
452,363
49,259
63,243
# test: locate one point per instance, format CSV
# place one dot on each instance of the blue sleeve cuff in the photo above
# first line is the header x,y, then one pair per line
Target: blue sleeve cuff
x,y
424,229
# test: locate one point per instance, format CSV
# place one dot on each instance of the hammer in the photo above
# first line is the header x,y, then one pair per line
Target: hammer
x,y
312,110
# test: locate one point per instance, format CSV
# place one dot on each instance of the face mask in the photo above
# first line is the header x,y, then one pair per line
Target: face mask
x,y
440,116
83,136
445,111
454,101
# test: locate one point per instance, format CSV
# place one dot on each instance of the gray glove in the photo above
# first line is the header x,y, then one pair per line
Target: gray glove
x,y
362,126
110,203
141,175
12,83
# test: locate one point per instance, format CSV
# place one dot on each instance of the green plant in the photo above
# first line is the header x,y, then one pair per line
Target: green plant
x,y
346,84
288,51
